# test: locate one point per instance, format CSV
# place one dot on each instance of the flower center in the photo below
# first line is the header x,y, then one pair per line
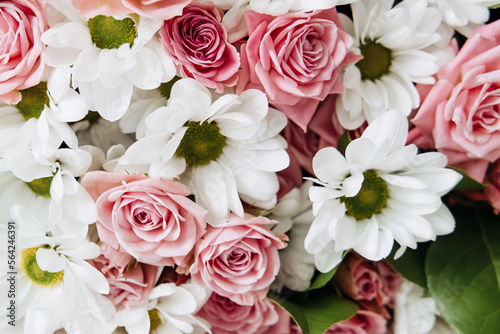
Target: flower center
x,y
108,33
371,198
41,186
31,269
154,319
201,143
166,87
33,101
376,60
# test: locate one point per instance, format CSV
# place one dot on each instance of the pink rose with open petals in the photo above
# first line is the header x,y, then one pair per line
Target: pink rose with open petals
x,y
461,112
197,42
295,59
155,9
228,317
148,217
22,22
130,282
238,259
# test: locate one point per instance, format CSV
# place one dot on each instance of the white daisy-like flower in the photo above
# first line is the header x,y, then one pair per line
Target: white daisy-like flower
x,y
223,149
392,43
56,286
295,216
171,309
379,192
107,58
464,15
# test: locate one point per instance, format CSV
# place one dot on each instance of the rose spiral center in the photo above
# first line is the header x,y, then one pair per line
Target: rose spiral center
x,y
371,198
109,33
376,60
31,269
201,143
41,186
33,101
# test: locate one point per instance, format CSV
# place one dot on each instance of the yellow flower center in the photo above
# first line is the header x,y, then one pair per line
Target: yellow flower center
x,y
108,33
33,101
201,143
41,186
154,319
376,60
38,276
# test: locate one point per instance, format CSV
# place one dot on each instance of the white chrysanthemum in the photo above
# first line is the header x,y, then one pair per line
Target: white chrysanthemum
x,y
392,43
56,286
223,149
464,15
294,213
107,58
234,20
379,192
171,309
51,174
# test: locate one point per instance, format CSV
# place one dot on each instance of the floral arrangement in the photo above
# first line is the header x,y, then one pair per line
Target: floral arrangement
x,y
250,166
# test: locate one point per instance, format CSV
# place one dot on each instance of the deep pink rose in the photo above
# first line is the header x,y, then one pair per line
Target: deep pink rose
x,y
324,130
148,217
461,112
22,22
295,59
238,259
155,9
228,317
363,322
129,281
197,42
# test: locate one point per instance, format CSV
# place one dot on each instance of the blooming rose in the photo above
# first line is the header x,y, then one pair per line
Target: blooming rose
x,y
238,259
197,42
129,281
228,317
364,322
148,217
461,113
295,58
22,22
155,9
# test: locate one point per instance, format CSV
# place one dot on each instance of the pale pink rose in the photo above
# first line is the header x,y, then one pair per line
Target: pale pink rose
x,y
324,130
197,42
155,9
22,22
363,322
129,281
148,217
295,59
371,284
461,112
238,259
228,317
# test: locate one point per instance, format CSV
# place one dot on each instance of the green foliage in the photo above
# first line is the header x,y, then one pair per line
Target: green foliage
x,y
411,265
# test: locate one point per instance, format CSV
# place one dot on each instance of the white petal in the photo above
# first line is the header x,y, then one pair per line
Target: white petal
x,y
376,244
148,71
330,166
389,129
49,260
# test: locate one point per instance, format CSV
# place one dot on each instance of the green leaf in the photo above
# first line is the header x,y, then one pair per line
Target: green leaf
x,y
344,140
322,279
411,264
467,182
463,272
319,312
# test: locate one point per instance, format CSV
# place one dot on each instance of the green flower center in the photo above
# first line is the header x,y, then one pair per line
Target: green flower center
x,y
201,143
376,60
154,319
41,186
371,198
33,101
166,87
108,33
31,269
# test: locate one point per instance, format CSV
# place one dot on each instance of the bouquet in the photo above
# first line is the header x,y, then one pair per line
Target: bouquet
x,y
250,166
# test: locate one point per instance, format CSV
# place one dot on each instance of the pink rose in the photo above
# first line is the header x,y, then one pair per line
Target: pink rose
x,y
461,112
228,317
295,59
148,217
197,42
492,190
129,281
22,22
238,259
364,322
155,9
324,130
